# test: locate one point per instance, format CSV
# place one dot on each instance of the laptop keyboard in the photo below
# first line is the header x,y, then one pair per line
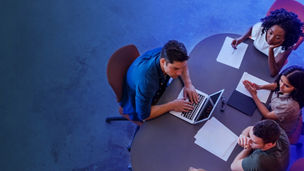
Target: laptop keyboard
x,y
192,113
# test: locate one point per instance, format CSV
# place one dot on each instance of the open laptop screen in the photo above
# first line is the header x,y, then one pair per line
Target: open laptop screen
x,y
215,97
209,107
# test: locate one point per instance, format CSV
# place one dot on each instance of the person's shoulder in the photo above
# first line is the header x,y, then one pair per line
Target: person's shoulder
x,y
253,161
152,53
293,102
148,58
257,26
148,72
283,142
289,105
256,31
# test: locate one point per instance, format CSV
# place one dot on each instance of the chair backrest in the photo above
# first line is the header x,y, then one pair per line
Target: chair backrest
x,y
117,67
291,6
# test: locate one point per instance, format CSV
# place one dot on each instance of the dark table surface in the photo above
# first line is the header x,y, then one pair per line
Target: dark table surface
x,y
167,142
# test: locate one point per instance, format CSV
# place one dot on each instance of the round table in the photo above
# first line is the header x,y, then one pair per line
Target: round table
x,y
167,142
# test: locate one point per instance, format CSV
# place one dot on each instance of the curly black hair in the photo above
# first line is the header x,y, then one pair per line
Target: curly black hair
x,y
288,21
174,51
295,76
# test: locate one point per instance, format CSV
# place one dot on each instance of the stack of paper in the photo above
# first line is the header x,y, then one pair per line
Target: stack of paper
x,y
262,94
230,56
216,138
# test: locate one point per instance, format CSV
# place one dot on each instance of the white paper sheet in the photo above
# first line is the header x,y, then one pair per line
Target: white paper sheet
x,y
216,138
262,94
230,56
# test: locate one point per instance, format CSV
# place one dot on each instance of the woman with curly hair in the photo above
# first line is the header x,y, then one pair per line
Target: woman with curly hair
x,y
275,37
286,101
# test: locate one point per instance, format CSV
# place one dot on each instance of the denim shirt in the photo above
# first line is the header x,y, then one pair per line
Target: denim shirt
x,y
142,85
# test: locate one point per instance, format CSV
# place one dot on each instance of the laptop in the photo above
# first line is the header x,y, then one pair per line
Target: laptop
x,y
202,110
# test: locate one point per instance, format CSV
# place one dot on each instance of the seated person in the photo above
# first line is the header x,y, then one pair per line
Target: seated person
x,y
286,101
266,148
147,78
275,37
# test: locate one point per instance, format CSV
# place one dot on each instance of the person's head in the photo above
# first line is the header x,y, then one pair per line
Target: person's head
x,y
173,58
264,134
291,81
282,27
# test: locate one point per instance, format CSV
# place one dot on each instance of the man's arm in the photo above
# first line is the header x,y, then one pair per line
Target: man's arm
x,y
243,141
189,89
236,165
158,110
179,105
143,101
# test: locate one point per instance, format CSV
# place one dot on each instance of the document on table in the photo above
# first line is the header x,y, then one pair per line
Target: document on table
x,y
230,56
216,138
262,94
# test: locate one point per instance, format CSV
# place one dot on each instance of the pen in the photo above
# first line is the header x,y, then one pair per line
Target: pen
x,y
234,49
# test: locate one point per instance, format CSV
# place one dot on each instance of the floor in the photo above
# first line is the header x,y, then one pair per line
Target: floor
x,y
54,95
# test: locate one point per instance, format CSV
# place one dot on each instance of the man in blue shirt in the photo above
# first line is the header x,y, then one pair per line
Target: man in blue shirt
x,y
146,80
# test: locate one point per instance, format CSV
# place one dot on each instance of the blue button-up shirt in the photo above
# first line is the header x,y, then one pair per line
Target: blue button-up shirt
x,y
143,85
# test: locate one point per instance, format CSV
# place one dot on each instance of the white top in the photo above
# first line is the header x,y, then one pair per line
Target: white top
x,y
259,40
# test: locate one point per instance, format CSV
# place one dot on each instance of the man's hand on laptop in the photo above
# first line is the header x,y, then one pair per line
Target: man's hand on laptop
x,y
181,105
190,93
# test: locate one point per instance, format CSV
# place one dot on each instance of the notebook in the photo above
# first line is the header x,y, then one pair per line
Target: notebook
x,y
202,110
242,103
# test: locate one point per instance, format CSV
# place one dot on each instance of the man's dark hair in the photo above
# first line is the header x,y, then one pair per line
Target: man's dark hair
x,y
174,51
288,21
295,76
268,130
